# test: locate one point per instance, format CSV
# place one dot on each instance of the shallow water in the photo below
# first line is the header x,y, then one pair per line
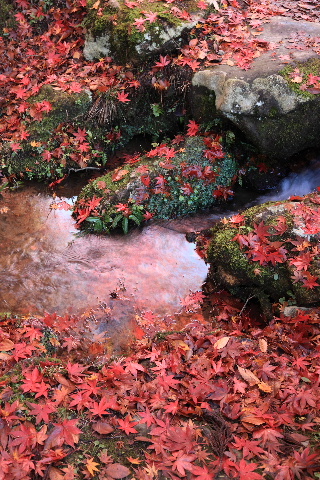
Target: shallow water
x,y
46,267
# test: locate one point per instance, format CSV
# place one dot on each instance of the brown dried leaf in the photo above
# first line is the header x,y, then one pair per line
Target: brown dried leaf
x,y
55,473
119,174
5,356
263,344
248,376
103,427
64,381
264,387
222,342
249,418
116,470
6,345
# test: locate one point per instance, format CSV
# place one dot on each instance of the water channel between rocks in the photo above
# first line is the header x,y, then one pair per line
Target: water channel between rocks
x,y
45,266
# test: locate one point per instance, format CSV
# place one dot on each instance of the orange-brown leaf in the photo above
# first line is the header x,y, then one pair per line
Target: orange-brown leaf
x,y
103,427
248,376
117,471
119,174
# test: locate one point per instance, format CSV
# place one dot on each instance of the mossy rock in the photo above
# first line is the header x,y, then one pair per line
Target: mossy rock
x,y
232,265
28,162
66,107
7,20
271,110
311,66
114,34
161,187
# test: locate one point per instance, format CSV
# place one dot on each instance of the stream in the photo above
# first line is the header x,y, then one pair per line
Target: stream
x,y
46,266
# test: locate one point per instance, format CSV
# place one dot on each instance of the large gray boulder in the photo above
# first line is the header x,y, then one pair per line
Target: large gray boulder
x,y
266,102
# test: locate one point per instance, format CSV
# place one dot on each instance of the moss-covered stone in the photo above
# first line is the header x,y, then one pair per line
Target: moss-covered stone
x,y
270,109
113,33
232,268
66,108
311,66
182,186
28,162
233,265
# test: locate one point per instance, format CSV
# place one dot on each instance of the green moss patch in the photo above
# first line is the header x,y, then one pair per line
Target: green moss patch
x,y
297,76
7,20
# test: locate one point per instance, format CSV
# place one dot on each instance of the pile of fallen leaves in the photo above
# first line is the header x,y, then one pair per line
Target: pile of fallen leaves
x,y
232,398
45,48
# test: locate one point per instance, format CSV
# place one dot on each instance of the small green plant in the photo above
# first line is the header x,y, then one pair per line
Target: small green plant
x,y
157,109
124,215
4,186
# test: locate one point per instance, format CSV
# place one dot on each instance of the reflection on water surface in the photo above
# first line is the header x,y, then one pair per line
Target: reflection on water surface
x,y
46,267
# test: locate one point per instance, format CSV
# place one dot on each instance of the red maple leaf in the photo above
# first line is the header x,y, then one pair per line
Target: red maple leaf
x,y
127,425
64,432
193,128
123,97
202,473
302,261
164,61
182,462
246,470
101,407
80,135
42,411
262,230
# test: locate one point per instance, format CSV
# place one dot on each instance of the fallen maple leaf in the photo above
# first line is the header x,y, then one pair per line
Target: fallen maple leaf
x,y
123,97
91,466
248,376
117,471
103,427
222,342
193,128
119,174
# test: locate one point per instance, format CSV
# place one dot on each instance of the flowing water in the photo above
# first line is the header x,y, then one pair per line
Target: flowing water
x,y
45,266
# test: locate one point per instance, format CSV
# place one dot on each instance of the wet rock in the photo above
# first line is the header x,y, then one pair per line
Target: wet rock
x,y
165,183
270,251
265,102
